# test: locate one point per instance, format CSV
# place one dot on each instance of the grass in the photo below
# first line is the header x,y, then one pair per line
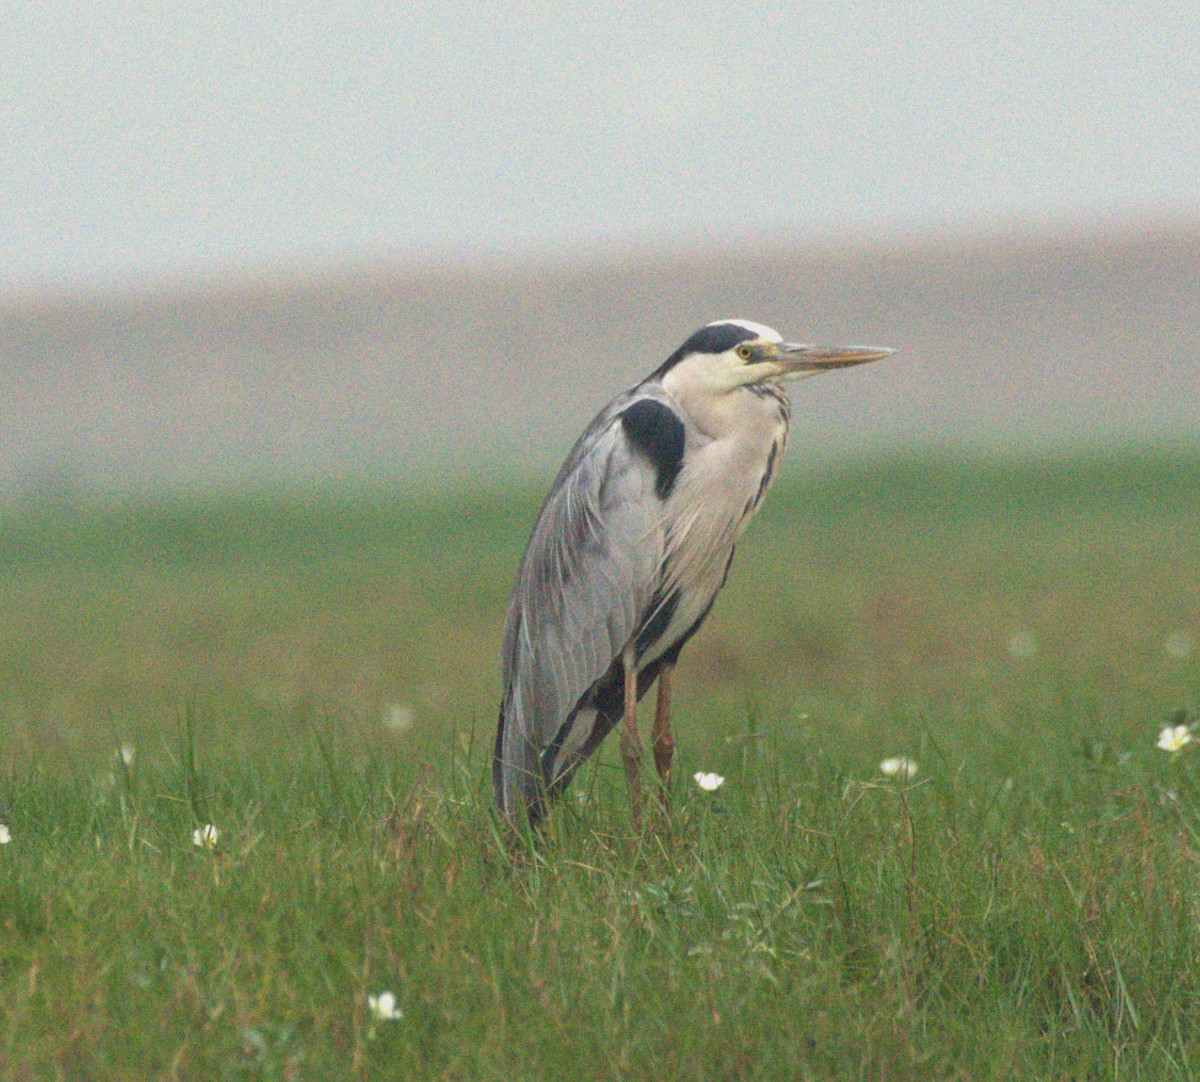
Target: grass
x,y
315,674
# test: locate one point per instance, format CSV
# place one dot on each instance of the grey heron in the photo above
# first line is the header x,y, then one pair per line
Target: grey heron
x,y
630,549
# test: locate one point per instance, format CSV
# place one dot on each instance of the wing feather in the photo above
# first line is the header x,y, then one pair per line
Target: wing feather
x,y
586,581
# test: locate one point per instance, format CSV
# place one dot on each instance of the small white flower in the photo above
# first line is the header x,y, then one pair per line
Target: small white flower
x,y
5,834
1179,644
710,783
1174,738
206,837
384,1007
399,716
1022,644
126,753
901,766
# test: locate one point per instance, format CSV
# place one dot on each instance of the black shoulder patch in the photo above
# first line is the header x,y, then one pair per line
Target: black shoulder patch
x,y
716,338
655,431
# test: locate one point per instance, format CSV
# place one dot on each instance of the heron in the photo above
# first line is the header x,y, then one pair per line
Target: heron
x,y
630,549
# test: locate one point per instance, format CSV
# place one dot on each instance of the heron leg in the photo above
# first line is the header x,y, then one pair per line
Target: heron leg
x,y
664,739
631,744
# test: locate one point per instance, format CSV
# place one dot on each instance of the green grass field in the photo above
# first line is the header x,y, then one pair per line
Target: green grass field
x,y
315,675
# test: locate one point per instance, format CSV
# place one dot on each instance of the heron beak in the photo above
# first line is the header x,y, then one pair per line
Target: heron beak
x,y
809,360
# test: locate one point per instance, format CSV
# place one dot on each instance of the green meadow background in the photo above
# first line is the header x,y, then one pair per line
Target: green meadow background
x,y
313,672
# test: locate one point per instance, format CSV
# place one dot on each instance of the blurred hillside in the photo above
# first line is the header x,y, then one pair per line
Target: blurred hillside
x,y
452,370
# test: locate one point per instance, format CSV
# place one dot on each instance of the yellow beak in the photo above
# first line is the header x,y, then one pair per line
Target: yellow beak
x,y
812,359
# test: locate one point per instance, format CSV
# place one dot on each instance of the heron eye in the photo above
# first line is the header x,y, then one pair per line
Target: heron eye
x,y
745,352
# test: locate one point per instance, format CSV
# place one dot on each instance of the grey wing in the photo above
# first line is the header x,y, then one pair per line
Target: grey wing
x,y
585,584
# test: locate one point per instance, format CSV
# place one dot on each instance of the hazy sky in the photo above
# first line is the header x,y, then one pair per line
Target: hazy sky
x,y
159,137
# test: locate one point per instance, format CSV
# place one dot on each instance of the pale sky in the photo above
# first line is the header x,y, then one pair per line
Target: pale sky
x,y
143,139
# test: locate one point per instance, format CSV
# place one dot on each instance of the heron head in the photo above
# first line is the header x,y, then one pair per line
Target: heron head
x,y
732,353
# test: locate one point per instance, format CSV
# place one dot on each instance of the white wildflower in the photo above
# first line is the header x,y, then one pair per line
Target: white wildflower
x,y
901,766
1022,644
206,837
399,716
126,753
5,834
710,783
1179,645
1174,738
384,1007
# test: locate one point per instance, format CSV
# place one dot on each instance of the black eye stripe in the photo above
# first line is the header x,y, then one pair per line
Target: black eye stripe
x,y
714,339
718,338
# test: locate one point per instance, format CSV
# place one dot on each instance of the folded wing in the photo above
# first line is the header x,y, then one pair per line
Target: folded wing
x,y
586,584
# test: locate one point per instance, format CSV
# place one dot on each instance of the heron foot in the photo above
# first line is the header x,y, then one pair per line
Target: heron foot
x,y
664,739
631,752
631,744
